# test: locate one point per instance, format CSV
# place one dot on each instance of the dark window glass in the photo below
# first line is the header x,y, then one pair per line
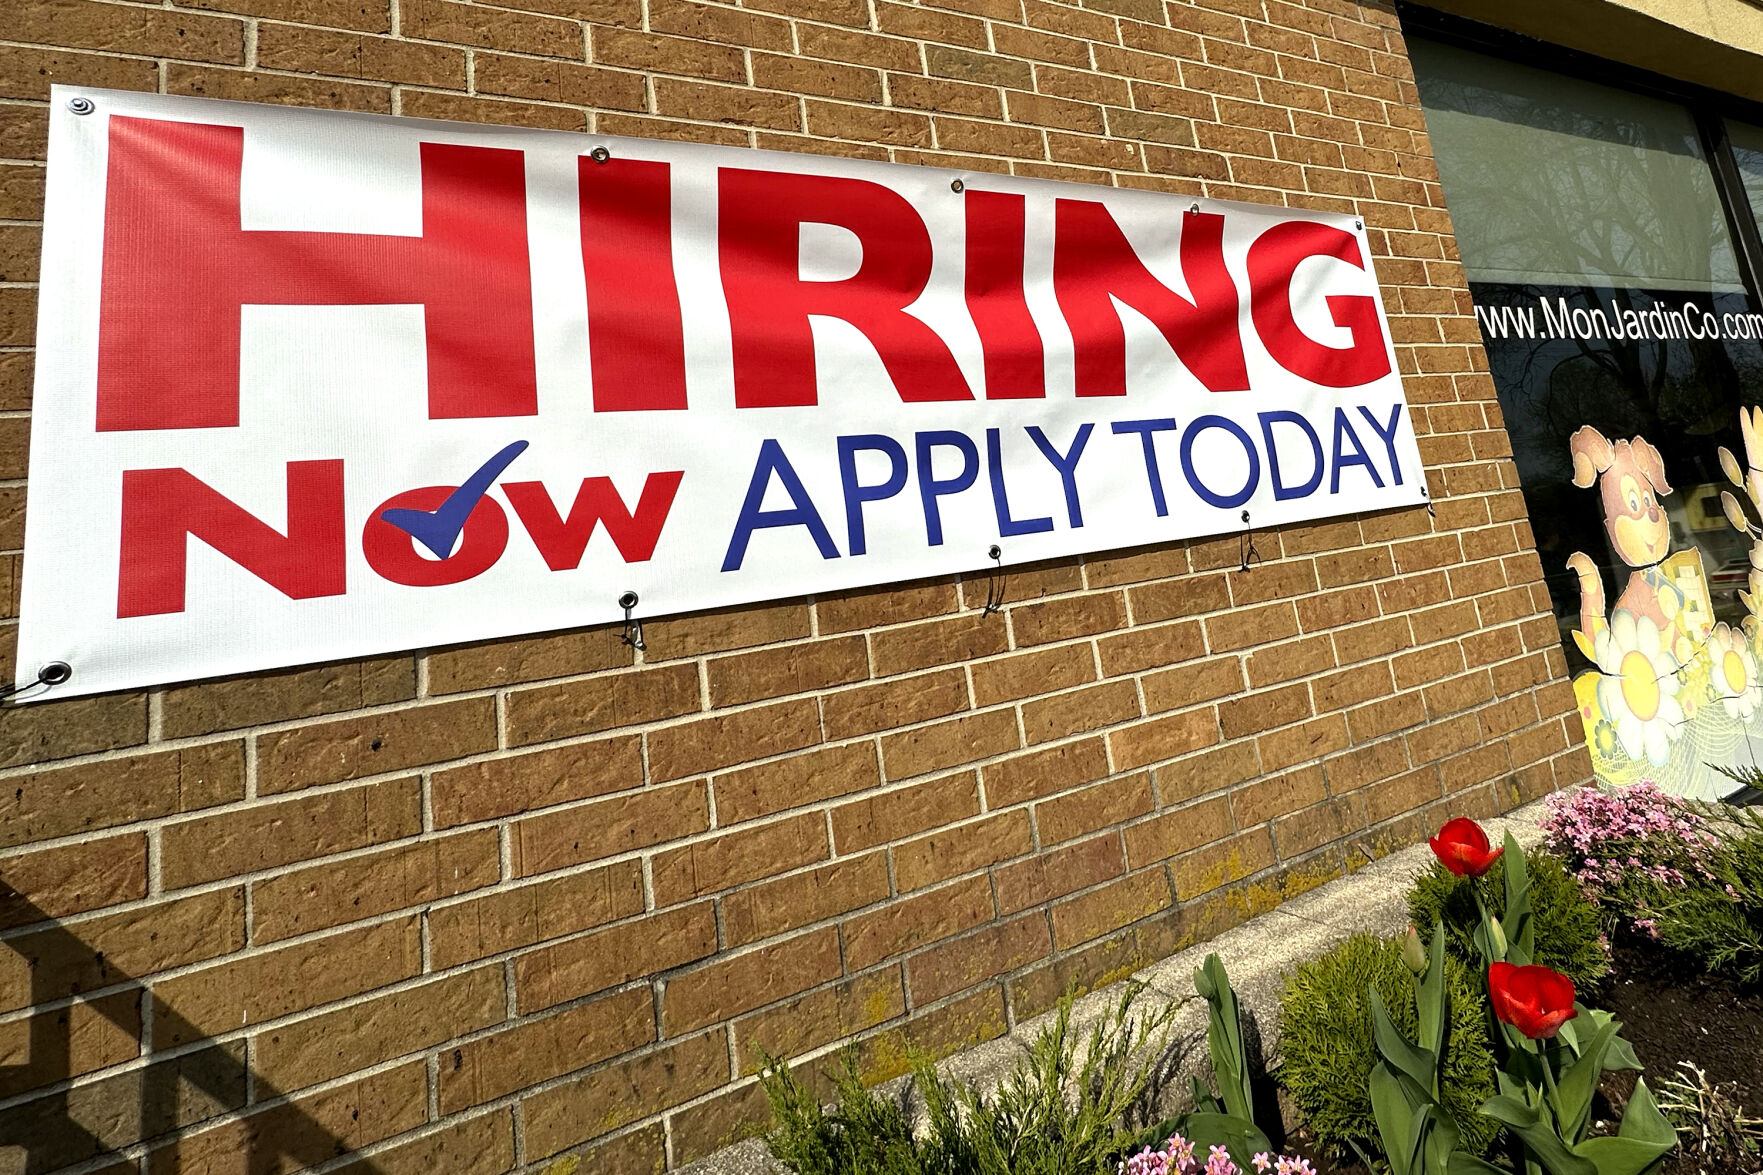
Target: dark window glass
x,y
1609,298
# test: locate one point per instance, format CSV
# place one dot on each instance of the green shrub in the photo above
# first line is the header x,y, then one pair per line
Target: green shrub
x,y
1063,1111
1718,920
1568,928
1329,1051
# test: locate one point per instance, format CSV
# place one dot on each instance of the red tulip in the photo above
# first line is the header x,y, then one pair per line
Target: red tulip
x,y
1534,1000
1464,848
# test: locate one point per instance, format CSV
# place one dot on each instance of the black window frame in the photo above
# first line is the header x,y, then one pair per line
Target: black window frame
x,y
1708,107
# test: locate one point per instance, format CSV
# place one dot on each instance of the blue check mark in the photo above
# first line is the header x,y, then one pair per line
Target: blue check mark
x,y
439,529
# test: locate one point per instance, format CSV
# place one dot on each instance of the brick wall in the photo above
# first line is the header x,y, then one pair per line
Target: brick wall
x,y
468,909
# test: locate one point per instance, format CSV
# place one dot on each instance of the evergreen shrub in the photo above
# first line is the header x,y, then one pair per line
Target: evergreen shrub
x,y
1328,1049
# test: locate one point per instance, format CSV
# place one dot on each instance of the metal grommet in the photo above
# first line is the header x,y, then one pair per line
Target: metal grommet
x,y
80,106
1196,207
599,155
957,186
1359,224
57,672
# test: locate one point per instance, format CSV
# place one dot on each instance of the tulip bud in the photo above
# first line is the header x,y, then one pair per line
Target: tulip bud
x,y
1413,954
1497,937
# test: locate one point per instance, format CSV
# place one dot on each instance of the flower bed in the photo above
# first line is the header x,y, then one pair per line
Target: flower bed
x,y
1470,1050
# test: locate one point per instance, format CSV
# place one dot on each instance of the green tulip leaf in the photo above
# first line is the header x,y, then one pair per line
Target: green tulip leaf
x,y
1573,1093
1417,1064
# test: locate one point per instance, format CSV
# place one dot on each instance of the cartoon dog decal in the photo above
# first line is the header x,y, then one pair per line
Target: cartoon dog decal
x,y
1631,477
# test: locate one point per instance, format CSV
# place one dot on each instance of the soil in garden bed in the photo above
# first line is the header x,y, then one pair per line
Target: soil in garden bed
x,y
1670,1014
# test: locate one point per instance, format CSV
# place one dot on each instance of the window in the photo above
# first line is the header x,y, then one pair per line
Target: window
x,y
1599,243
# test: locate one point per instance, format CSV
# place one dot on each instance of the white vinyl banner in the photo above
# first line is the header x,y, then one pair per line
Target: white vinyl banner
x,y
315,385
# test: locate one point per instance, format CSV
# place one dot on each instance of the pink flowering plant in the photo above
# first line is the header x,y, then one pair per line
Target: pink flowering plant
x,y
1630,847
1178,1156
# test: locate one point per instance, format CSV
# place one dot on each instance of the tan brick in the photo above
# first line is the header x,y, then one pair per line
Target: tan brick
x,y
790,783
791,669
797,75
1026,674
939,642
912,922
91,1035
820,1017
285,694
894,703
903,812
358,56
362,1035
1277,795
573,708
1188,685
1176,831
1148,648
617,1095
71,879
1080,710
737,105
943,96
28,72
949,744
526,914
55,730
728,738
394,740
331,894
979,958
721,631
618,954
461,108
1264,710
1042,773
730,986
1223,863
652,53
1163,738
1091,809
511,662
264,836
735,858
347,1117
483,1145
467,24
20,245
963,848
1114,905
96,952
1302,743
881,606
93,796
242,992
237,85
537,779
789,903
539,1048
82,24
1175,598
1058,872
1063,619
621,824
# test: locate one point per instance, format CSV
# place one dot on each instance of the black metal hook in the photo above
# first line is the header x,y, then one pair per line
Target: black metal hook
x,y
53,674
995,584
1430,512
1246,544
633,628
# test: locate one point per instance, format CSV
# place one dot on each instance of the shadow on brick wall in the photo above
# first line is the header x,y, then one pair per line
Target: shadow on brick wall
x,y
82,1124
